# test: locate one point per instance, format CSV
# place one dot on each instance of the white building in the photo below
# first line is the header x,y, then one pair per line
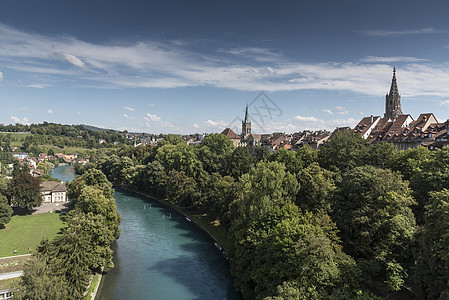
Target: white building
x,y
53,191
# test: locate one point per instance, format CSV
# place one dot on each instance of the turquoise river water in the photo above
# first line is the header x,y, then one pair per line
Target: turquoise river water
x,y
161,255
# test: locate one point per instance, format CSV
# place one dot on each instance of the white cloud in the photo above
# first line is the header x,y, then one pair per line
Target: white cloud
x,y
128,117
129,108
50,111
341,110
36,86
218,123
444,103
154,118
150,104
308,119
24,120
328,111
196,125
379,59
1,76
155,65
427,30
71,59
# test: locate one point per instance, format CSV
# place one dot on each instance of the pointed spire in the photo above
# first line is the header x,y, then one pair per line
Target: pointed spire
x,y
246,115
394,85
393,99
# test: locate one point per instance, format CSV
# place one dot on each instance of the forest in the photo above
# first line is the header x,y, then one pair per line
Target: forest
x,y
348,221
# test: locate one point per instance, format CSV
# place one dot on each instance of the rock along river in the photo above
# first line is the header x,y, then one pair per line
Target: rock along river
x,y
160,255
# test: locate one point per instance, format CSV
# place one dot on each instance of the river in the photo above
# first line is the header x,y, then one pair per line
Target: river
x,y
160,255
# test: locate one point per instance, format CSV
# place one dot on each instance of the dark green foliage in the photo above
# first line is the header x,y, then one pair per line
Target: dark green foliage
x,y
218,193
372,210
432,175
291,159
41,282
24,191
432,266
83,246
92,177
181,189
345,151
170,139
317,187
236,163
5,211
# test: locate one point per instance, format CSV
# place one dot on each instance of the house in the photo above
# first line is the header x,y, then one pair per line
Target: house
x,y
401,129
53,191
232,135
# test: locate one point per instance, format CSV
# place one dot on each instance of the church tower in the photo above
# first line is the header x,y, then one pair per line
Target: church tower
x,y
246,125
393,100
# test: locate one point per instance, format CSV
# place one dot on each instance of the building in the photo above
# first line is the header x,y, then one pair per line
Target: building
x,y
401,129
5,294
235,138
247,138
53,191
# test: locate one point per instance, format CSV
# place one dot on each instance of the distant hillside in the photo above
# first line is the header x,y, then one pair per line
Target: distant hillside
x,y
93,128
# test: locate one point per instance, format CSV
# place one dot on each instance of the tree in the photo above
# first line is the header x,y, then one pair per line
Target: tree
x,y
170,139
181,189
432,266
218,144
40,281
51,152
266,187
345,151
236,163
92,177
92,200
5,211
372,209
24,191
292,161
317,187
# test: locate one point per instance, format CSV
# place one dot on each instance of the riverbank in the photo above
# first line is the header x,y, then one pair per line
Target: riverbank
x,y
217,232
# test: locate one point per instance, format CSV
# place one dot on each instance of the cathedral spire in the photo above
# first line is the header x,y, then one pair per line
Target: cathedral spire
x,y
393,100
246,115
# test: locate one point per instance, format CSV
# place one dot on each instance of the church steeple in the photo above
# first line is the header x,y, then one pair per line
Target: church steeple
x,y
246,115
246,125
393,100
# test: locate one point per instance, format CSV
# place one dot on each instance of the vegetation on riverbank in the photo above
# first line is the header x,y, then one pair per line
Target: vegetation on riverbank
x,y
350,220
61,267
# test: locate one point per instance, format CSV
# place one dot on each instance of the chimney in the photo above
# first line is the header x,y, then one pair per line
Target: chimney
x,y
372,119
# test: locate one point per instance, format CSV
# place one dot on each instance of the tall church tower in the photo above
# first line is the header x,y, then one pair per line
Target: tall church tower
x,y
393,100
246,125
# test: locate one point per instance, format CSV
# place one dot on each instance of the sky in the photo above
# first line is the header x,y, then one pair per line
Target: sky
x,y
192,66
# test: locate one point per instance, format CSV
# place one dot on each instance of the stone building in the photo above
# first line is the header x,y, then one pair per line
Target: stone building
x,y
401,129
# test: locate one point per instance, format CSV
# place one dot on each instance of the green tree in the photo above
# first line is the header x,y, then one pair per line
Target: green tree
x,y
24,191
236,163
51,152
345,151
5,211
92,200
92,177
317,187
291,159
40,282
170,139
372,210
432,266
182,190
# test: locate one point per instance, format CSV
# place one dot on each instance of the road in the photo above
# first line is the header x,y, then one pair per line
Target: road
x,y
4,276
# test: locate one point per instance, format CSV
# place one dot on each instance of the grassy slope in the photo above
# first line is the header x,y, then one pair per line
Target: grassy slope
x,y
28,231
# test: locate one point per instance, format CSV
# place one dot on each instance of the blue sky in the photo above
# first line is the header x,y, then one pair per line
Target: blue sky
x,y
192,66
